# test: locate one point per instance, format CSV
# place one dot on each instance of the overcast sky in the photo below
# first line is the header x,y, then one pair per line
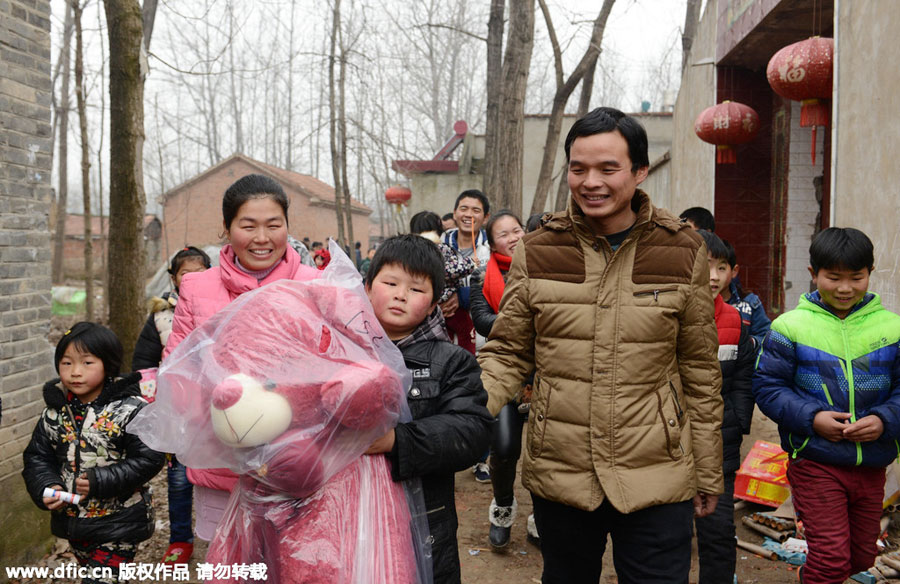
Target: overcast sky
x,y
637,34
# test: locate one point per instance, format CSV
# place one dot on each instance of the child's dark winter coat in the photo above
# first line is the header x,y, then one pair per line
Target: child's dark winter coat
x,y
451,429
118,465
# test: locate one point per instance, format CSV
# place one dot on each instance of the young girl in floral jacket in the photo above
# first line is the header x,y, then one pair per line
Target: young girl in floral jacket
x,y
80,445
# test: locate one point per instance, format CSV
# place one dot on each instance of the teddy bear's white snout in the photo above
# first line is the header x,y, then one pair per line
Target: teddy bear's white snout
x,y
245,414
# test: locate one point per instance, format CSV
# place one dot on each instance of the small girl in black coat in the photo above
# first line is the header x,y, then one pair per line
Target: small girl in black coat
x,y
80,446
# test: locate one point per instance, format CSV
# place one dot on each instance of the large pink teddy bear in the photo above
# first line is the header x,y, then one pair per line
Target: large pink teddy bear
x,y
288,385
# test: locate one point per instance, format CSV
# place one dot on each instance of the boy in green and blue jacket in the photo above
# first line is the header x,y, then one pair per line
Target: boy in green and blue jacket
x,y
829,376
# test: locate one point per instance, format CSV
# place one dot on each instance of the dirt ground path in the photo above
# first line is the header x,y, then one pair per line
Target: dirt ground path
x,y
520,563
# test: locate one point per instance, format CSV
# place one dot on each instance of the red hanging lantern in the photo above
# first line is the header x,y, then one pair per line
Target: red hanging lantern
x,y
803,71
397,195
725,124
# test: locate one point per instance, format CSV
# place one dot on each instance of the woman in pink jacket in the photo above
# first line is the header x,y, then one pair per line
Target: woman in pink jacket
x,y
254,213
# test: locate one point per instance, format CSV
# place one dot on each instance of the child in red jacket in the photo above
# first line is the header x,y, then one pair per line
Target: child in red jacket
x,y
715,533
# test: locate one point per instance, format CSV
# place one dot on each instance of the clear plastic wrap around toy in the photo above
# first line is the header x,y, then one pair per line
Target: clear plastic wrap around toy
x,y
288,386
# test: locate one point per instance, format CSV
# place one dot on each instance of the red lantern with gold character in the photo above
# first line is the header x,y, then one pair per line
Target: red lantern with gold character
x,y
726,124
803,71
397,195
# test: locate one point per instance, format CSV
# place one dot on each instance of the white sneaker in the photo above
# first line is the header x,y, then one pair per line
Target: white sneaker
x,y
482,472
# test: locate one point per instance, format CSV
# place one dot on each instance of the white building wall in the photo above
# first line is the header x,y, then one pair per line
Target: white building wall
x,y
866,135
803,208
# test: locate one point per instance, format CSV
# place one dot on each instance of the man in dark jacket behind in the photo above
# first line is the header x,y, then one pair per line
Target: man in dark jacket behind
x,y
451,426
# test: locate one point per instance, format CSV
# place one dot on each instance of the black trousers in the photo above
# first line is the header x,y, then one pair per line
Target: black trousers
x,y
506,446
650,546
716,545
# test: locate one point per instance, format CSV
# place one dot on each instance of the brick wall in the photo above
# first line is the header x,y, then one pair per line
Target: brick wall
x,y
803,208
25,355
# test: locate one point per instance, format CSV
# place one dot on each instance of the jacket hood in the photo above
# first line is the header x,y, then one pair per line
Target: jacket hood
x,y
871,302
640,203
121,387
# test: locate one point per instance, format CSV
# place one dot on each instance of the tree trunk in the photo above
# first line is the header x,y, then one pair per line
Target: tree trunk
x,y
289,135
127,202
85,166
561,98
62,113
336,162
511,130
491,180
584,102
104,233
342,126
691,18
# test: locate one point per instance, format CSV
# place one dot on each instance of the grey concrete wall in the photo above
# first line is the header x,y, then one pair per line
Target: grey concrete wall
x,y
658,184
693,166
802,207
866,138
25,356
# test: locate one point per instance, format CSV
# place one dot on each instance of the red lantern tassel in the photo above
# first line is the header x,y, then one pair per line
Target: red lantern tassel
x,y
812,147
725,154
813,112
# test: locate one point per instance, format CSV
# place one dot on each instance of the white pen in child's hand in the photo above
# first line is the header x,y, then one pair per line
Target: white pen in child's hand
x,y
62,495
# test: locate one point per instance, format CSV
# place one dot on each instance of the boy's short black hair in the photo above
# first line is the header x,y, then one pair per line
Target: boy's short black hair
x,y
424,221
447,216
841,248
186,253
415,254
701,217
474,194
534,222
714,245
731,258
608,119
90,337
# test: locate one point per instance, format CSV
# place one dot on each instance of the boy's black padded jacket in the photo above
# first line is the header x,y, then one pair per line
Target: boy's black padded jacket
x,y
450,431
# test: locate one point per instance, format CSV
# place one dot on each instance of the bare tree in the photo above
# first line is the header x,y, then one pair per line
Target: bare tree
x,y
126,94
492,175
62,116
563,90
584,102
511,127
103,231
336,140
77,9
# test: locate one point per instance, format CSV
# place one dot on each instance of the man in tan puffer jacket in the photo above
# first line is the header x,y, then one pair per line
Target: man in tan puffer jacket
x,y
610,304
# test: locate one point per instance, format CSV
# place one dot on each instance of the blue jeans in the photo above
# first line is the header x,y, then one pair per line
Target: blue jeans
x,y
181,493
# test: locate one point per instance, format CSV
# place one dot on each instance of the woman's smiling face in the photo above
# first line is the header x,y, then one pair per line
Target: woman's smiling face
x,y
258,233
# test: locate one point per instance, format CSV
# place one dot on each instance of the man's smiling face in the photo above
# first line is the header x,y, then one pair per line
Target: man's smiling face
x,y
469,215
602,182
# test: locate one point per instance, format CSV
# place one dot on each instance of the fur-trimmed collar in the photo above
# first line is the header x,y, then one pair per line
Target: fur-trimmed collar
x,y
121,387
